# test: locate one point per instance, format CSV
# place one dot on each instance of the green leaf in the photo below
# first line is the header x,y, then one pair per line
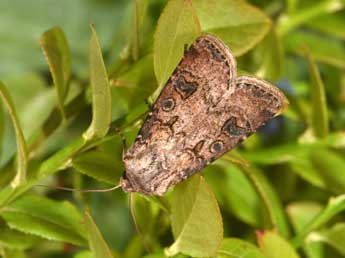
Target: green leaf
x,y
331,24
56,162
237,248
306,170
57,53
313,162
101,97
334,206
83,254
135,247
247,26
34,117
287,23
319,103
178,25
12,253
326,50
134,86
335,140
334,236
14,239
330,167
270,55
278,155
300,214
54,220
33,100
196,220
162,255
149,209
99,165
2,127
291,6
140,11
273,206
22,157
235,192
98,246
274,246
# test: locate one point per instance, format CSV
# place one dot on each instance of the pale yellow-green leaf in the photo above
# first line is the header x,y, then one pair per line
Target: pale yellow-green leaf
x,y
331,24
14,239
240,25
274,246
324,49
300,214
238,248
140,11
270,55
99,165
101,97
196,220
50,219
334,206
178,25
57,53
2,129
83,254
12,253
274,214
334,236
98,246
319,103
22,156
287,23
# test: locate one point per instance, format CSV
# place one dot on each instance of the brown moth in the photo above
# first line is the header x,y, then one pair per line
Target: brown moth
x,y
203,111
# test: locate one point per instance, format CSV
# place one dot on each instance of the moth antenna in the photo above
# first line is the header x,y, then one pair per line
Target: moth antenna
x,y
82,190
136,226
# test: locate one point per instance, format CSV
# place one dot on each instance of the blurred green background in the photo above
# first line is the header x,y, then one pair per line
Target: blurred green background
x,y
296,161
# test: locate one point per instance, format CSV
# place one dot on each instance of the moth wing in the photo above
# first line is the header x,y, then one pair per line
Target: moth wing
x,y
163,150
239,115
206,72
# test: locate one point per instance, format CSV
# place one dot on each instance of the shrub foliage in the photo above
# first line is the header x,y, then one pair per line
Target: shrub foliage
x,y
279,194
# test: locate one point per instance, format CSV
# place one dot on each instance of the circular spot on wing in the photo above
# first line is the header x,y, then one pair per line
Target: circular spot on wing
x,y
168,104
216,146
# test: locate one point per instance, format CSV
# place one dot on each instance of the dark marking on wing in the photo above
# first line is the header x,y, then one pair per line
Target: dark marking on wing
x,y
185,89
230,127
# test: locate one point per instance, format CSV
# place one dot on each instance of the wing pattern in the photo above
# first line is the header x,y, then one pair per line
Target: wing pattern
x,y
203,111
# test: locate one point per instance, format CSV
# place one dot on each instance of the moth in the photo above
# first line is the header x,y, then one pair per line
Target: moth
x,y
203,111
